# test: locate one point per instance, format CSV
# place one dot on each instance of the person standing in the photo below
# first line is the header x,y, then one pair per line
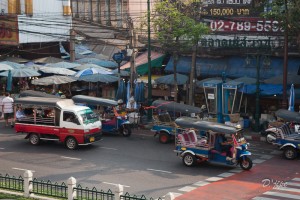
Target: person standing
x,y
7,107
1,105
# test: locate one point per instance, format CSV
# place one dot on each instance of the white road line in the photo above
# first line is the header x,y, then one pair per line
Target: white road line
x,y
201,183
263,198
109,148
226,174
258,161
293,184
156,170
296,179
115,184
187,189
2,148
71,158
278,194
213,179
22,169
288,189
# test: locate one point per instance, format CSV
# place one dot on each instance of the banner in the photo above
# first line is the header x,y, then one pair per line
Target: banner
x,y
9,34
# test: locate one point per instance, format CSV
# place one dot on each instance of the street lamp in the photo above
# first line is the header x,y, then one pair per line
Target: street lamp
x,y
118,58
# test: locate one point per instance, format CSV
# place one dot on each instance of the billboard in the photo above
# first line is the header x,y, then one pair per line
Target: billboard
x,y
9,34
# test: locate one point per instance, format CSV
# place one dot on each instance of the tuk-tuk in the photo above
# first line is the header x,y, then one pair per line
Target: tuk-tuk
x,y
290,145
286,127
113,122
56,120
166,111
192,148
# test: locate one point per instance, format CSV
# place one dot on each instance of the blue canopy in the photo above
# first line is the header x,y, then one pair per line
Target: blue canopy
x,y
169,79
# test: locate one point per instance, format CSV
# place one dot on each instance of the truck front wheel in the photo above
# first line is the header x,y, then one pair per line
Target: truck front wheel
x,y
34,139
71,143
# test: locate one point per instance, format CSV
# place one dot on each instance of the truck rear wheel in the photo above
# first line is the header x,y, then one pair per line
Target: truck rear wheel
x,y
34,139
71,143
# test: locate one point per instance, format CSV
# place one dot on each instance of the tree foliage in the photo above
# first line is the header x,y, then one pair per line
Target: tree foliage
x,y
277,11
175,29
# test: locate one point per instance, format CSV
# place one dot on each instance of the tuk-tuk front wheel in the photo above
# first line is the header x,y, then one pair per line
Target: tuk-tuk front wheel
x,y
34,139
290,153
189,159
125,131
164,138
246,163
71,143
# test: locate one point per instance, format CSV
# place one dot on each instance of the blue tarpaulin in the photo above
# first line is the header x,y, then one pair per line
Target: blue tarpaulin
x,y
234,66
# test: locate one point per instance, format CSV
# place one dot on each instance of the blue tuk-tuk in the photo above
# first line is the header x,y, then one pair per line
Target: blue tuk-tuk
x,y
166,112
290,145
114,123
192,148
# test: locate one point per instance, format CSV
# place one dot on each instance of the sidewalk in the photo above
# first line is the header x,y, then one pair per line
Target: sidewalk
x,y
262,180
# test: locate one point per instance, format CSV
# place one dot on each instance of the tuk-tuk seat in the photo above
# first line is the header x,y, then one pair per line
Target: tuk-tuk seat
x,y
286,129
182,141
218,152
189,138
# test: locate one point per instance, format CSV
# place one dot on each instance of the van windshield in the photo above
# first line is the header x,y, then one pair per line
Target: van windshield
x,y
88,116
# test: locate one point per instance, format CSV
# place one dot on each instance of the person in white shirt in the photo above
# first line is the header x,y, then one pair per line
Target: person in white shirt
x,y
131,105
7,107
20,114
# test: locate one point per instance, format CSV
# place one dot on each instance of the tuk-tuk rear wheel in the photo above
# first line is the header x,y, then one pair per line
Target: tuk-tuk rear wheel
x,y
126,131
71,143
290,153
189,159
246,163
34,139
164,138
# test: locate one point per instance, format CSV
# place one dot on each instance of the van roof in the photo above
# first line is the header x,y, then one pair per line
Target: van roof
x,y
41,101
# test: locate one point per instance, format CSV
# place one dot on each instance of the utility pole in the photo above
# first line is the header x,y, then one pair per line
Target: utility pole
x,y
72,45
99,11
132,45
149,64
192,75
91,11
285,58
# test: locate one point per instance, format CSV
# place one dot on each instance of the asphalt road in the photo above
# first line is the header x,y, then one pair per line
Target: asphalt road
x,y
140,163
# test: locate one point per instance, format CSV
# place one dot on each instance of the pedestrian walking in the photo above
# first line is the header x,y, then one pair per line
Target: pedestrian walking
x,y
7,107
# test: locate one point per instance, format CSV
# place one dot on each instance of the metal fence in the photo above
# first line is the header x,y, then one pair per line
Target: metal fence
x,y
12,183
134,197
49,189
93,194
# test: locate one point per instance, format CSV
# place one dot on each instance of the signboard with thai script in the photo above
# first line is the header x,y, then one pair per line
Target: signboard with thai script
x,y
229,8
9,34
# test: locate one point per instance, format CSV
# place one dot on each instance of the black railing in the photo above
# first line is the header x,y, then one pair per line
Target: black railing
x,y
93,194
127,196
12,183
49,189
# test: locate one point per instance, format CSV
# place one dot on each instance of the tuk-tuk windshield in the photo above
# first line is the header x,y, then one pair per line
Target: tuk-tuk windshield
x,y
88,116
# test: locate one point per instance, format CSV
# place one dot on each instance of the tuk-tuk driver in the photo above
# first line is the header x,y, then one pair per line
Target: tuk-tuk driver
x,y
224,145
120,108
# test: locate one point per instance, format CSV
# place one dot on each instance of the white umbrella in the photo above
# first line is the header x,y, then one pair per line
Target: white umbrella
x,y
53,80
64,64
89,65
22,72
57,70
5,67
90,71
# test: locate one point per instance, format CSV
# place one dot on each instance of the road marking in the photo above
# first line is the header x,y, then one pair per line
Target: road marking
x,y
278,194
266,157
115,184
71,158
293,184
263,198
288,189
2,148
258,161
22,169
109,148
156,170
212,179
201,183
187,189
226,174
296,179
